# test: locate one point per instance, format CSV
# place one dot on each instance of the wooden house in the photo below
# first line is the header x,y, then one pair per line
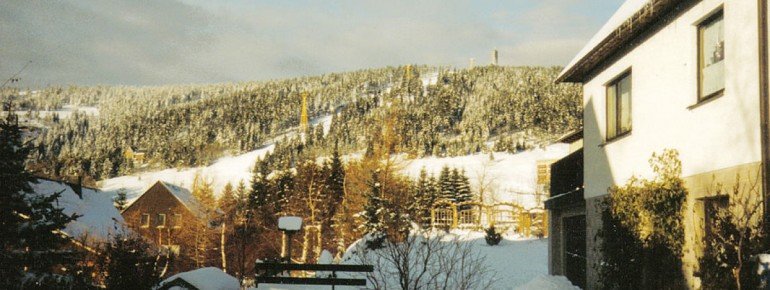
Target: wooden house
x,y
135,155
169,216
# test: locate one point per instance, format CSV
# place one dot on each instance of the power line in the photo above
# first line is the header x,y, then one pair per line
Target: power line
x,y
15,77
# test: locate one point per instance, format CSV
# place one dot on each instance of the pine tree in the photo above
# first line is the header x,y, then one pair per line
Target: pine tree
x,y
446,185
203,192
30,224
424,198
227,201
128,263
373,210
120,200
335,185
463,187
258,194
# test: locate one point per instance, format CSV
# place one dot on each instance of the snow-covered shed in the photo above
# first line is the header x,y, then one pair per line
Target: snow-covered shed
x,y
209,278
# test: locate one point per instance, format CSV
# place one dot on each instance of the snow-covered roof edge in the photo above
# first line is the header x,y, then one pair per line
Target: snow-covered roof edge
x,y
630,19
183,195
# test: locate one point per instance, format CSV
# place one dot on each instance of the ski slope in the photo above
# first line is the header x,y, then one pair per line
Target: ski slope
x,y
510,177
228,169
231,169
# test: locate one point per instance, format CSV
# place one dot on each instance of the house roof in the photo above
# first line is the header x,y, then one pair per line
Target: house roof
x,y
183,195
630,20
571,137
204,278
98,217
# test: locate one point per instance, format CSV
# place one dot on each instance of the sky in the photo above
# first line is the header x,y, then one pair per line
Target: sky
x,y
154,42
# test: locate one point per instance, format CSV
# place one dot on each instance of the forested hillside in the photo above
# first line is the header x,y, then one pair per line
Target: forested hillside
x,y
457,113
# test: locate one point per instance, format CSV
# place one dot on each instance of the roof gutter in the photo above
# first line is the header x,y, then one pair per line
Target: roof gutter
x,y
764,102
620,38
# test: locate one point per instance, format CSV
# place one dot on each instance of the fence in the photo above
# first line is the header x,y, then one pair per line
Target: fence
x,y
476,216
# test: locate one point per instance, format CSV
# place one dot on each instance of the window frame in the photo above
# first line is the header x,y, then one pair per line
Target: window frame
x,y
177,220
144,223
699,29
613,85
161,225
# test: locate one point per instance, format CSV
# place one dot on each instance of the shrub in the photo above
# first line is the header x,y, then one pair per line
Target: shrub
x,y
736,236
492,236
643,229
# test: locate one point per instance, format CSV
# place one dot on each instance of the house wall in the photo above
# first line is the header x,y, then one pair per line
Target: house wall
x,y
557,237
716,140
157,200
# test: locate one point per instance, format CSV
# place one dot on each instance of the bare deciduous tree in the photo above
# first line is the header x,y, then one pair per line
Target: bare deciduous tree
x,y
426,260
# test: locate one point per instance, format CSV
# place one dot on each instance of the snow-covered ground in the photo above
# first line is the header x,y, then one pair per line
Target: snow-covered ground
x,y
429,79
516,264
66,111
228,169
231,169
511,177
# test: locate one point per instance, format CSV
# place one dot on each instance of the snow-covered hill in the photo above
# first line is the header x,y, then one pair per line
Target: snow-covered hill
x,y
511,176
231,169
228,169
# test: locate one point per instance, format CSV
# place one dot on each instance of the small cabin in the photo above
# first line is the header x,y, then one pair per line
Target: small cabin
x,y
133,154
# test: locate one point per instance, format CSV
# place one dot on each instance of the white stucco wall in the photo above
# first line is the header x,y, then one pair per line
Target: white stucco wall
x,y
721,133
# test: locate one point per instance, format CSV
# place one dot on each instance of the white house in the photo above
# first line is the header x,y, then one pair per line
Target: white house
x,y
675,74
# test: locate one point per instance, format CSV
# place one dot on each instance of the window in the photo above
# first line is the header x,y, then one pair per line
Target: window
x,y
145,220
177,220
711,208
711,57
619,106
161,223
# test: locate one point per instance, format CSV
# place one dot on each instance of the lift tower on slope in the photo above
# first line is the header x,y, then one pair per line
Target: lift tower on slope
x,y
303,119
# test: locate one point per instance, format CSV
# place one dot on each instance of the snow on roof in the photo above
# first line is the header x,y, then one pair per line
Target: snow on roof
x,y
628,9
545,282
98,216
290,223
209,278
185,197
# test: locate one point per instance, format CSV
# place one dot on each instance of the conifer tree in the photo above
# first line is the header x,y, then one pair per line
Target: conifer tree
x,y
464,193
227,201
447,185
373,210
129,263
121,200
258,194
30,224
424,198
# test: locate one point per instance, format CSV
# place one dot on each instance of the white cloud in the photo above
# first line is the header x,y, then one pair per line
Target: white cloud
x,y
168,41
